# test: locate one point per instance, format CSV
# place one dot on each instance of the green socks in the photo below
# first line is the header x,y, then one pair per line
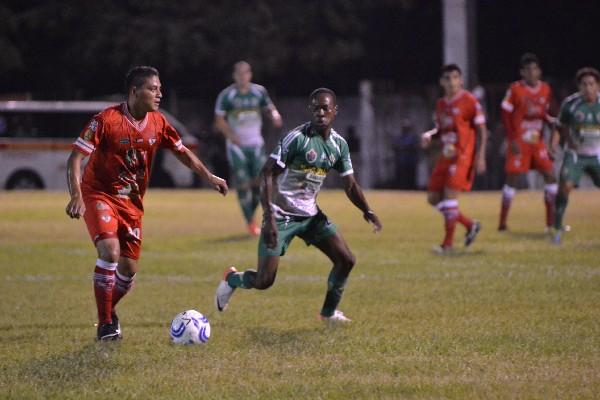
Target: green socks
x,y
244,280
561,206
335,289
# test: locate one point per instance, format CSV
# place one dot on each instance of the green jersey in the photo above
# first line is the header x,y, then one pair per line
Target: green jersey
x,y
306,158
243,112
583,121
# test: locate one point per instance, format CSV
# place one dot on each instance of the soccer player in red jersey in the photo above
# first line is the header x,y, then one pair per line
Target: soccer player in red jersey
x,y
121,142
459,120
524,114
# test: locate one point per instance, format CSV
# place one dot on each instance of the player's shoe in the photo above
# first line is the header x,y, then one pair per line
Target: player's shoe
x,y
253,229
442,250
107,332
556,237
502,228
472,233
116,324
338,317
224,291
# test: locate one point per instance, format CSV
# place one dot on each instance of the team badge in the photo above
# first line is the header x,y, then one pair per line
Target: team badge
x,y
93,125
579,116
311,156
151,141
88,135
101,206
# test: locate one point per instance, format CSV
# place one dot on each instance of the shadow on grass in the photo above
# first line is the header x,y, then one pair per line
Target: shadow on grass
x,y
243,237
93,362
289,338
528,235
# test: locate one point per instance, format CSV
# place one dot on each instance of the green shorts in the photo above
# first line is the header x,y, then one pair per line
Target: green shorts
x,y
311,229
575,165
245,163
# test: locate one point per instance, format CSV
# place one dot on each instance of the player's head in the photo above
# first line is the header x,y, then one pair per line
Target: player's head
x,y
143,87
322,103
451,79
588,80
530,68
242,73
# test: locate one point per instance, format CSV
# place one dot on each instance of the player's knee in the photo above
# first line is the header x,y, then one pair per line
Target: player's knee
x,y
263,283
433,198
348,261
109,254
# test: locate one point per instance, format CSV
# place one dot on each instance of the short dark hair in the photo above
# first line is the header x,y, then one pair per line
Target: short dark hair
x,y
136,76
450,68
587,71
322,90
529,58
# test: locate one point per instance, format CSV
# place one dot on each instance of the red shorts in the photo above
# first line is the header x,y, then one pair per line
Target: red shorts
x,y
533,156
456,174
110,218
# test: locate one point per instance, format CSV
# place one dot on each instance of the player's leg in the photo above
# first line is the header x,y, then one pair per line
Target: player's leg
x,y
508,193
542,162
337,250
259,158
570,174
460,180
435,194
515,166
239,170
130,240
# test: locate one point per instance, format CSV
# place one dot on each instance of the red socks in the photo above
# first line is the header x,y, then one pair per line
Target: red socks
x,y
104,282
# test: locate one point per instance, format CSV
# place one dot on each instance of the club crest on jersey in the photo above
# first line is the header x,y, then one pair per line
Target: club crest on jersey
x,y
152,141
579,116
311,156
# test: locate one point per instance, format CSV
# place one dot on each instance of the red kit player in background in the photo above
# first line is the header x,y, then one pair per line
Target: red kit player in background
x,y
121,142
524,114
459,120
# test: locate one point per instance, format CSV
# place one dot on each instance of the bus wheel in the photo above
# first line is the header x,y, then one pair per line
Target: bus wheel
x,y
24,180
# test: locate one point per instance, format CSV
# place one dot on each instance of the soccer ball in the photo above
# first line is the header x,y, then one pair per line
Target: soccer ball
x,y
190,327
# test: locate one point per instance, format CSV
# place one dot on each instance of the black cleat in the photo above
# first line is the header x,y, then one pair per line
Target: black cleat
x,y
472,233
115,323
108,332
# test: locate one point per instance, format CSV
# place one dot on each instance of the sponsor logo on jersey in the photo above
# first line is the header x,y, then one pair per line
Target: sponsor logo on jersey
x,y
101,206
124,141
105,218
139,140
152,141
311,156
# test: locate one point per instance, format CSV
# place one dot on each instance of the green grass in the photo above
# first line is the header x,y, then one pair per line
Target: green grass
x,y
514,317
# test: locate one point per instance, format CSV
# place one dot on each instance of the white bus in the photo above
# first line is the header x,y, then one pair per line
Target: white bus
x,y
36,138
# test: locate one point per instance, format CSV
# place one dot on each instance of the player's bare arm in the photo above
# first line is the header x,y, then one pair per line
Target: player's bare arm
x,y
269,230
480,164
223,127
426,137
274,116
76,207
357,197
189,159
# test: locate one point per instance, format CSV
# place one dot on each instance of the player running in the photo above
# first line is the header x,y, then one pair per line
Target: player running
x,y
459,120
291,180
121,142
238,116
524,114
579,122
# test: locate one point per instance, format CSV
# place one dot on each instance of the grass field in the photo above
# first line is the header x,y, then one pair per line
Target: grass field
x,y
514,317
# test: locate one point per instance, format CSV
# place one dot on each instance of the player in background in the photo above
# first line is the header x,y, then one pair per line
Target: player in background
x,y
121,142
291,180
238,116
460,124
524,113
579,125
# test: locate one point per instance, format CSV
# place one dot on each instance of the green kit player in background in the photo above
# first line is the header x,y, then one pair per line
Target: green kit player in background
x,y
238,116
579,120
291,180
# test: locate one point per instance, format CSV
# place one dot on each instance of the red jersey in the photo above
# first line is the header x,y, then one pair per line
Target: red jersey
x,y
524,110
121,151
456,119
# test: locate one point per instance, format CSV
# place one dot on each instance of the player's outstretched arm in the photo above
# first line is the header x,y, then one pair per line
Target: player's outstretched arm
x,y
269,230
357,197
76,207
189,159
274,116
427,136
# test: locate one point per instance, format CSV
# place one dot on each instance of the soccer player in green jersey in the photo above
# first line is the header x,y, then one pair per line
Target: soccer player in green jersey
x,y
579,120
291,180
238,116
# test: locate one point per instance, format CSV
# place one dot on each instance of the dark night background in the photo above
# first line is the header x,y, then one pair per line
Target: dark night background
x,y
74,49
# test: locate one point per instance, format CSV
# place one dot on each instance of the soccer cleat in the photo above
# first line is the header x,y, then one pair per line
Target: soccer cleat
x,y
472,233
442,250
116,324
557,237
108,332
502,228
338,317
253,229
224,291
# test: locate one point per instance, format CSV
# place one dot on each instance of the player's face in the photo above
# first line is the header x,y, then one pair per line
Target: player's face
x,y
242,75
531,73
324,110
148,96
452,82
589,87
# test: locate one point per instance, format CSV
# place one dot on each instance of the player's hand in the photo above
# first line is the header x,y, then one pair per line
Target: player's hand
x,y
276,118
515,148
480,165
76,207
219,184
269,232
425,140
235,140
372,218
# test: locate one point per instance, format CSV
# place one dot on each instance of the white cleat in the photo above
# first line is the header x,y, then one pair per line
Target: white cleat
x,y
224,291
338,317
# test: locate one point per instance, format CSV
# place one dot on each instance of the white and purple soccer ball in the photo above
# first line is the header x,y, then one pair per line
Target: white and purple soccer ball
x,y
190,327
